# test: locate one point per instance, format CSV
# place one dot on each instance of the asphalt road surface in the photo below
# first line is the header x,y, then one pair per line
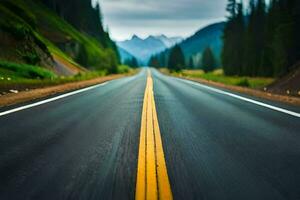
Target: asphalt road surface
x,y
85,146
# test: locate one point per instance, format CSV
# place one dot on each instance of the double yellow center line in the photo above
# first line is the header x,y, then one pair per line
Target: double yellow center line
x,y
152,177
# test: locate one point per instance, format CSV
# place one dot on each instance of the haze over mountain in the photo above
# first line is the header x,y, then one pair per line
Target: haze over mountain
x,y
152,17
124,55
143,49
193,46
209,36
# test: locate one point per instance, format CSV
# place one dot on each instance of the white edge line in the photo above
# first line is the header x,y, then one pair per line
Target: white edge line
x,y
51,99
243,98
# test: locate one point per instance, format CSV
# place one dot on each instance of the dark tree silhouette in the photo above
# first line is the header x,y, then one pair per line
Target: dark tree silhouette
x,y
208,60
176,59
233,37
154,61
263,42
132,62
191,63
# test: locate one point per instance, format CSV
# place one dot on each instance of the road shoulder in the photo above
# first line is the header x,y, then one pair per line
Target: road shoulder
x,y
24,96
252,92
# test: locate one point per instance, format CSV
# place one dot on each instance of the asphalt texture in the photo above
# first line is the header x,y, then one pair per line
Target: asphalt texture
x,y
85,146
219,147
80,147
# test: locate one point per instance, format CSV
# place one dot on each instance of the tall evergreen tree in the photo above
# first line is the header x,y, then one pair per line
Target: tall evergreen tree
x,y
154,62
254,43
176,59
231,8
132,62
208,60
240,37
286,40
267,67
233,36
191,63
269,41
162,60
296,18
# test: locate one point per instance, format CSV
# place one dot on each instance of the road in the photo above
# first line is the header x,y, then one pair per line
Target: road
x,y
86,145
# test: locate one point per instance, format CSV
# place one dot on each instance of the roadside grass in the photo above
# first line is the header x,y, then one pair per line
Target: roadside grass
x,y
14,76
218,76
123,69
25,71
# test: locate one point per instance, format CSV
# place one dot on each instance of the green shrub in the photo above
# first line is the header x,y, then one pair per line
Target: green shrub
x,y
27,71
30,57
218,76
123,69
244,83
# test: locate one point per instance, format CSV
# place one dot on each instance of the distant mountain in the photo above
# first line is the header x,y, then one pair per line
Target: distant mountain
x,y
125,55
208,36
143,49
169,42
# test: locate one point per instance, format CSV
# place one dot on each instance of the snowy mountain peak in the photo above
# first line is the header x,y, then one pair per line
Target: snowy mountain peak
x,y
143,49
169,41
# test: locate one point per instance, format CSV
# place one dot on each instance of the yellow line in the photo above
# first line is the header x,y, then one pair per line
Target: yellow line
x,y
152,176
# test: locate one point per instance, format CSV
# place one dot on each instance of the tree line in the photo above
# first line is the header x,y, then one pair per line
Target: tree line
x,y
131,62
174,59
258,40
262,40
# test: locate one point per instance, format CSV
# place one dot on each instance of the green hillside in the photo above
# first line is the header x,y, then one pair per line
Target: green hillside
x,y
31,33
210,36
194,46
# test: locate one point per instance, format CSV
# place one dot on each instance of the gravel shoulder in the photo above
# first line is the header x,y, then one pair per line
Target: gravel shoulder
x,y
24,96
253,92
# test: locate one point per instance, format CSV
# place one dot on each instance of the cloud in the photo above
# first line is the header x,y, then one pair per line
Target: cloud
x,y
123,17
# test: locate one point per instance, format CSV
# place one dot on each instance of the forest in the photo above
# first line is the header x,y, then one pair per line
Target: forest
x,y
262,40
259,39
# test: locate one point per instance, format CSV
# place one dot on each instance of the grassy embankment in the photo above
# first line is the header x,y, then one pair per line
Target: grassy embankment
x,y
218,76
15,76
30,19
33,34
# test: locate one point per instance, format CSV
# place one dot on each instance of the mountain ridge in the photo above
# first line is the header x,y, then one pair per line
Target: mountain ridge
x,y
208,36
193,46
143,49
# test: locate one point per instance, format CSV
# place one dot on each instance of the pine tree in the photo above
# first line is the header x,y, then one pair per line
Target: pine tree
x,y
232,8
270,28
296,18
286,43
240,37
154,62
228,39
162,60
255,39
269,41
208,60
134,63
233,37
191,63
176,59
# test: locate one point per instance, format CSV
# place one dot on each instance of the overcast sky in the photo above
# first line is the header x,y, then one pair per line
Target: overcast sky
x,y
152,17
